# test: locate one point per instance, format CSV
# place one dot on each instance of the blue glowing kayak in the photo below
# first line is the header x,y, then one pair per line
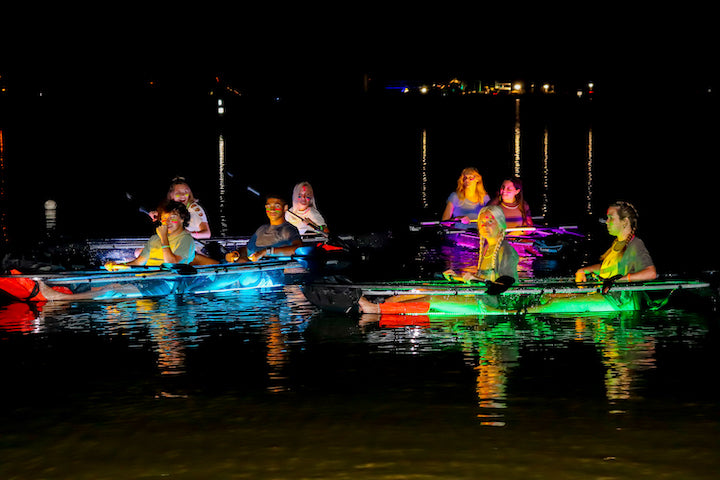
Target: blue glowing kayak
x,y
138,282
447,298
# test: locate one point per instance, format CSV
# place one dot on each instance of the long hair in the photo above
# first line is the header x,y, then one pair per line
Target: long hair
x,y
624,210
480,188
181,181
499,216
296,193
519,198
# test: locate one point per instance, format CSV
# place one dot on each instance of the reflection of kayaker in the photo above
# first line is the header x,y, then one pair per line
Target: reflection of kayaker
x,y
627,259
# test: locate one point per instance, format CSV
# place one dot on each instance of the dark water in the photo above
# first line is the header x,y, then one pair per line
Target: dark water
x,y
265,386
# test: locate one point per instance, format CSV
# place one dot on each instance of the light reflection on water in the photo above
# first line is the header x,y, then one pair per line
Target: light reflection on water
x,y
268,366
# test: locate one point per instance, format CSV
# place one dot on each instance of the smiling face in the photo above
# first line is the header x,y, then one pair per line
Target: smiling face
x,y
181,193
304,198
173,221
508,192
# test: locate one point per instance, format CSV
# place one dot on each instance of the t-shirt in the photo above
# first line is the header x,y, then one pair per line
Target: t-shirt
x,y
514,215
466,208
310,213
635,258
268,235
182,244
197,216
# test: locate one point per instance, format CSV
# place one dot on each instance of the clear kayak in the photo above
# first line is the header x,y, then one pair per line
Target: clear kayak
x,y
447,298
138,282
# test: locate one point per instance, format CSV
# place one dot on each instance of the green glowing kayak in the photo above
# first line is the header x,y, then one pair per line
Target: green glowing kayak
x,y
552,296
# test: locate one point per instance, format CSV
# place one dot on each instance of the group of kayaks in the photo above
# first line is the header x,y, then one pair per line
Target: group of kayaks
x,y
330,291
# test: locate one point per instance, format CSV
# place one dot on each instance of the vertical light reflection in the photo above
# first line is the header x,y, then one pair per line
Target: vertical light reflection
x,y
589,196
222,186
277,356
424,177
517,138
3,213
546,175
490,387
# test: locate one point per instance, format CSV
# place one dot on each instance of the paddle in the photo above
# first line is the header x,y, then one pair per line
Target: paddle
x,y
180,268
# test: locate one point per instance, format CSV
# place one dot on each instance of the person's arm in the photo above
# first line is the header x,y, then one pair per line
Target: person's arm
x,y
276,251
582,273
184,249
644,275
447,213
203,232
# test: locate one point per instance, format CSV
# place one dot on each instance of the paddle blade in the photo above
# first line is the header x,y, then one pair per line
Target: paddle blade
x,y
500,285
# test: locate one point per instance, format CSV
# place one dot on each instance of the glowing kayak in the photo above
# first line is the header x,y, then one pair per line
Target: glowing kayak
x,y
445,298
139,282
528,241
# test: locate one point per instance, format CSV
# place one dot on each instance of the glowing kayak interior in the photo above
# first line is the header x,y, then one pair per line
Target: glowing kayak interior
x,y
447,298
165,280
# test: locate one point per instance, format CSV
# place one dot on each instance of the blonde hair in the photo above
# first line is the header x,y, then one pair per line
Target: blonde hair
x,y
296,193
499,217
479,188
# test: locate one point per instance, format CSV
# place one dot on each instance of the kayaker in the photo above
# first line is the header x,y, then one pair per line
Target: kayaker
x,y
511,200
180,191
468,198
627,260
497,262
277,238
304,213
172,243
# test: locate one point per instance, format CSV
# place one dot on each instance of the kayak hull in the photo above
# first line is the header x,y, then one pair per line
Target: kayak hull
x,y
437,298
156,281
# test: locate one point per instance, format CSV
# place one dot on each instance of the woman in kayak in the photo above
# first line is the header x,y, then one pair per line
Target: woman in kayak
x,y
468,198
180,191
304,213
627,260
497,266
513,204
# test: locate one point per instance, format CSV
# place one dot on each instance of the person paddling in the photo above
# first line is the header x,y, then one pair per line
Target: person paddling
x,y
172,243
275,238
468,198
304,213
627,260
512,201
497,266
